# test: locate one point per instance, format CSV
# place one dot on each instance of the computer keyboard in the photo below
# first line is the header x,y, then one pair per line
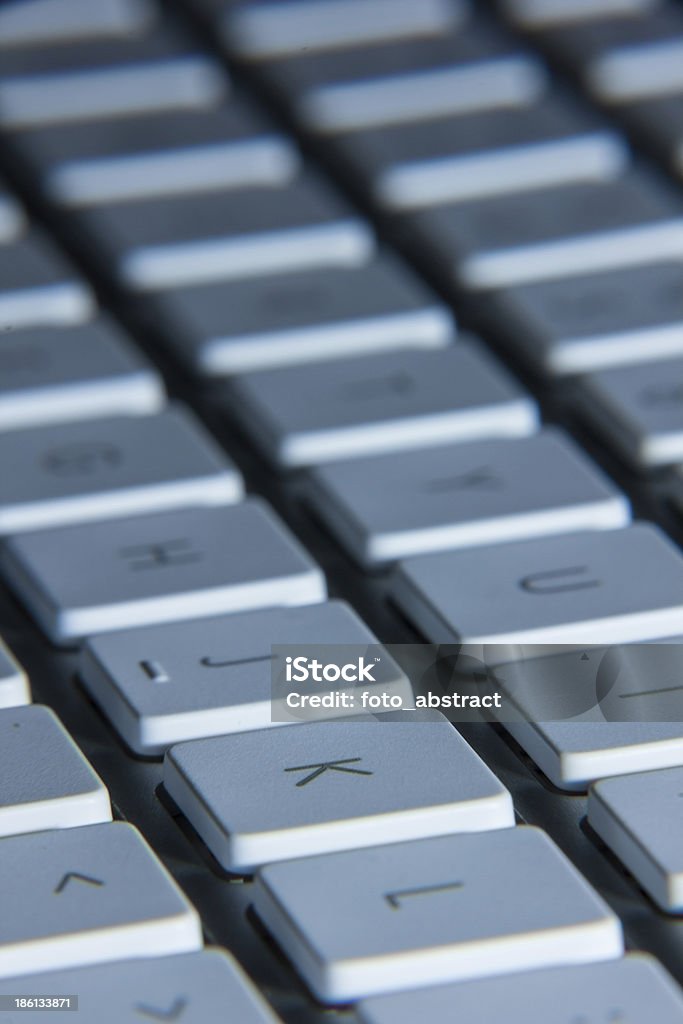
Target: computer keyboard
x,y
358,324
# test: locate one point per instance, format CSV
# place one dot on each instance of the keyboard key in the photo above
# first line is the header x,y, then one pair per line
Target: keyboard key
x,y
593,321
73,897
453,496
228,234
77,472
312,315
85,371
540,14
451,159
638,817
39,287
96,577
158,154
190,988
638,410
636,988
660,122
45,782
14,688
603,587
309,789
554,232
270,29
28,22
448,909
11,217
320,412
166,684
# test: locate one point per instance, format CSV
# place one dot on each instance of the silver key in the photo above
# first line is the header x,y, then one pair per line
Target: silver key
x,y
451,159
593,321
158,154
193,988
638,817
228,234
554,232
448,909
74,897
541,14
453,496
85,371
14,687
291,318
613,586
12,219
166,684
97,577
268,29
39,287
45,782
325,786
346,409
28,22
78,472
635,988
639,411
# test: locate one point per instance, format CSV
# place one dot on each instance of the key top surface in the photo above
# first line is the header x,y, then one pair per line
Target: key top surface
x,y
540,14
14,686
73,897
39,287
45,781
435,910
28,22
96,577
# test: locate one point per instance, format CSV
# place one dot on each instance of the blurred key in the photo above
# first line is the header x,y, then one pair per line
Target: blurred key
x,y
269,29
554,232
404,916
613,586
141,570
660,122
615,992
158,154
188,987
73,897
228,234
52,374
78,472
351,408
28,22
11,217
166,684
39,287
541,14
593,321
487,492
312,315
45,781
638,410
469,157
14,687
325,786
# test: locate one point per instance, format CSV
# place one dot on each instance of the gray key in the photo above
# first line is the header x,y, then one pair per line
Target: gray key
x,y
166,684
326,786
321,412
228,234
12,220
193,988
14,688
85,371
541,14
158,154
78,472
453,496
660,121
312,315
638,817
639,411
612,586
554,232
27,22
435,910
268,29
45,782
635,988
593,321
74,897
457,158
97,577
39,287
